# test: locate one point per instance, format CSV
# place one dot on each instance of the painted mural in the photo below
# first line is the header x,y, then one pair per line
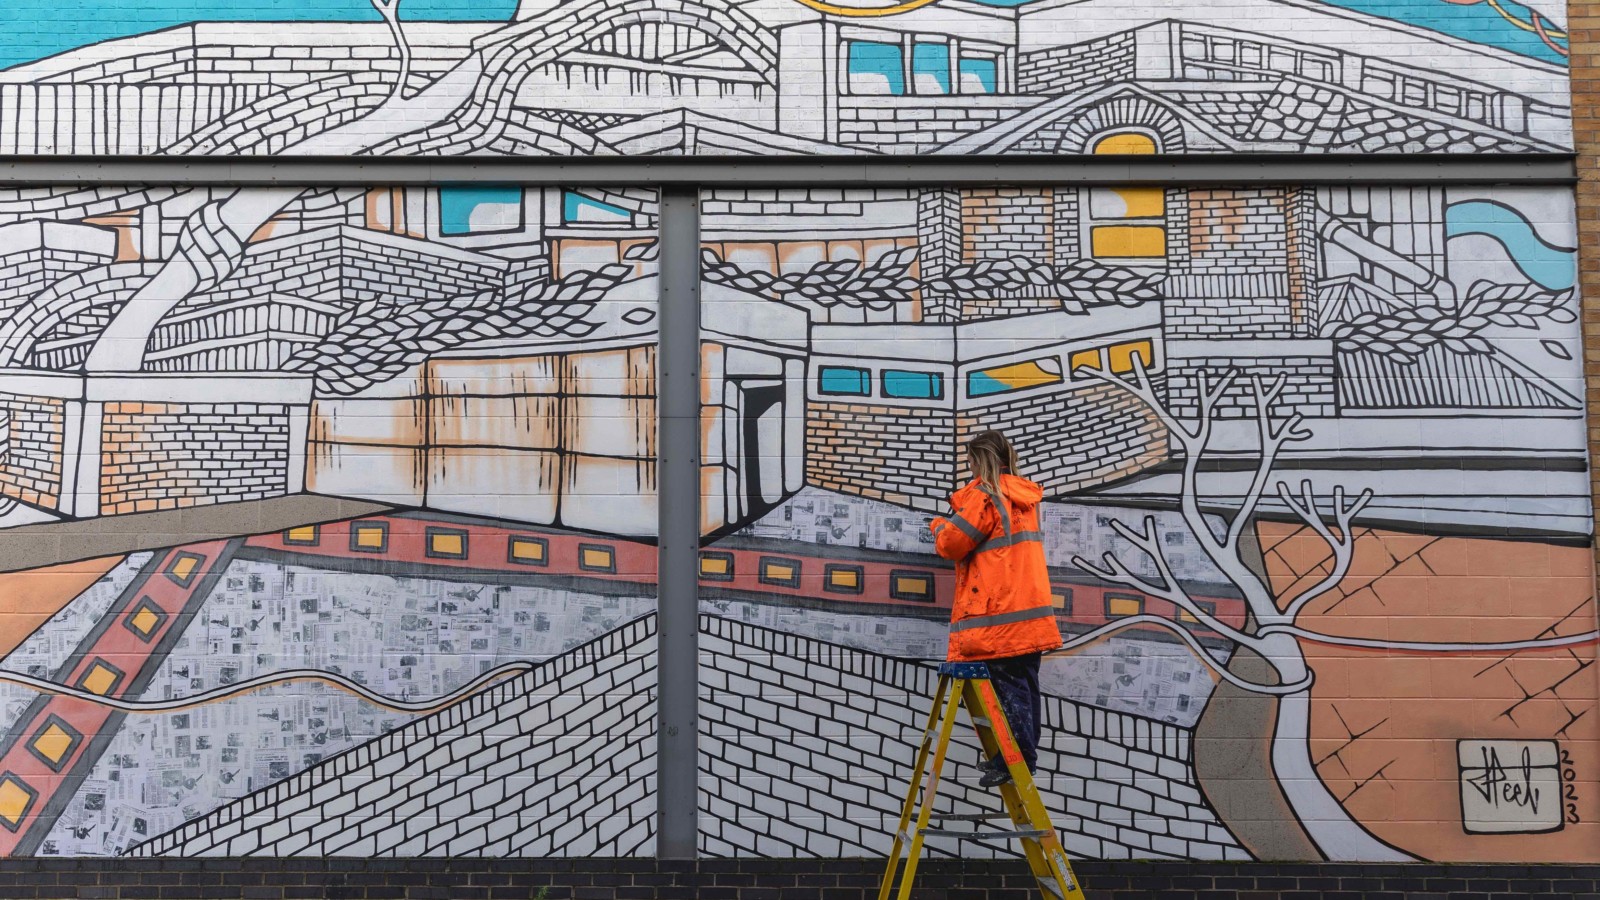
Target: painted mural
x,y
1317,512
642,77
329,524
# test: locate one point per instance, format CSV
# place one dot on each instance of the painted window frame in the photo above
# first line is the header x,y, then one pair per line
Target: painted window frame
x,y
1089,223
958,50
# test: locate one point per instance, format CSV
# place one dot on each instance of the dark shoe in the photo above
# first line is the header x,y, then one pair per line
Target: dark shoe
x,y
994,777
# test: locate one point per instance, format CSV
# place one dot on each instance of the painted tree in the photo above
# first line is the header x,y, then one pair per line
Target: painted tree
x,y
1271,631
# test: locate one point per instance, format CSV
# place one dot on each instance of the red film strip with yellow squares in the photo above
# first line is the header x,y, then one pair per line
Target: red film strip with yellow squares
x,y
57,740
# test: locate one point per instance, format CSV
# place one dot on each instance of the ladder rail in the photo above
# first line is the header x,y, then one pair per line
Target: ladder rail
x,y
965,686
930,791
906,810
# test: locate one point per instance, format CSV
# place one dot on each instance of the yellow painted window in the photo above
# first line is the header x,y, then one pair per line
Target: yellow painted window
x,y
527,550
1127,143
53,743
445,543
184,567
145,621
100,679
1127,222
597,558
1122,356
306,534
780,572
713,565
911,586
1128,241
847,579
15,799
369,536
1118,607
1085,359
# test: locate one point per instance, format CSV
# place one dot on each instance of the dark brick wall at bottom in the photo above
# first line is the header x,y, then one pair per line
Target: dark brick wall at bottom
x,y
648,879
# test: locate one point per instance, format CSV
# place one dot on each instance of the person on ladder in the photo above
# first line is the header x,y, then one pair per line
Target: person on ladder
x,y
1003,615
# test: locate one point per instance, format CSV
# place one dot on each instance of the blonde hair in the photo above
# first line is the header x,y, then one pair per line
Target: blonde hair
x,y
991,456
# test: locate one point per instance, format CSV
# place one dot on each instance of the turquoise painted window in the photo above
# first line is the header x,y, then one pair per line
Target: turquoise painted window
x,y
842,381
980,75
876,68
479,210
930,68
902,385
576,209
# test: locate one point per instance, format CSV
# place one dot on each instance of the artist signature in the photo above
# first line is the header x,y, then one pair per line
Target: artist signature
x,y
1514,788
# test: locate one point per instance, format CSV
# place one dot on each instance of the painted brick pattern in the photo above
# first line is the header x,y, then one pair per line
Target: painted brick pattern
x,y
27,272
880,452
1236,230
939,243
1000,223
169,456
494,776
829,779
897,125
1086,65
1584,20
1311,386
1076,438
1230,305
814,202
33,432
790,879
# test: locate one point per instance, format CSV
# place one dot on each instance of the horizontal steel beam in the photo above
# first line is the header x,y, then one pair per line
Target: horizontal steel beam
x,y
791,171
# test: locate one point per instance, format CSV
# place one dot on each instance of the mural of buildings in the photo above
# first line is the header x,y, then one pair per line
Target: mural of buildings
x,y
330,515
465,378
799,76
1349,405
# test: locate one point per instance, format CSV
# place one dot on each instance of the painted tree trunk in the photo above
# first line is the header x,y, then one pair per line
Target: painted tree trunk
x,y
1323,817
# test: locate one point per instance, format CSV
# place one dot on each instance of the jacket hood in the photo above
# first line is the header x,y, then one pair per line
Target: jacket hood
x,y
1021,494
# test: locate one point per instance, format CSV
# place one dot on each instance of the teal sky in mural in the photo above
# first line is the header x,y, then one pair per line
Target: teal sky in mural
x,y
34,29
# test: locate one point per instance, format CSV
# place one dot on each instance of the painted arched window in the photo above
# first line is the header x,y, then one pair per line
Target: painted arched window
x,y
1127,224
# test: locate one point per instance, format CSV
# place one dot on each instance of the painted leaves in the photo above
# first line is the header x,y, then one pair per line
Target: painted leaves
x,y
1402,335
381,340
1080,285
844,282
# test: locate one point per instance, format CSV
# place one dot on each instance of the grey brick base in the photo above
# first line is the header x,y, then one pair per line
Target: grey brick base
x,y
604,879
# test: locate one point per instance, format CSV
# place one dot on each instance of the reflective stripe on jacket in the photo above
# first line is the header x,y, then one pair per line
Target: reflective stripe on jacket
x,y
1002,603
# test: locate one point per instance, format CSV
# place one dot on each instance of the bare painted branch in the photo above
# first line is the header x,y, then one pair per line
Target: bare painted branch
x,y
390,10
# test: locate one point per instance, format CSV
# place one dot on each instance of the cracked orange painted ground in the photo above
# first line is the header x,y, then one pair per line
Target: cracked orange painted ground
x,y
28,599
1385,722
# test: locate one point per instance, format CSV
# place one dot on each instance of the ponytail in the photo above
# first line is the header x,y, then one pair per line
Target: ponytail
x,y
992,456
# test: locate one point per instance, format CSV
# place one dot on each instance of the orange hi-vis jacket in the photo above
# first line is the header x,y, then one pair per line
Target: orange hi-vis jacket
x,y
1002,604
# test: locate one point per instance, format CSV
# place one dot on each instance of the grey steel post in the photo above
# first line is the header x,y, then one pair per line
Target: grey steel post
x,y
678,484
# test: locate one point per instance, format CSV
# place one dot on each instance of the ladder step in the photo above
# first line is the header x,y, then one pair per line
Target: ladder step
x,y
976,817
1022,834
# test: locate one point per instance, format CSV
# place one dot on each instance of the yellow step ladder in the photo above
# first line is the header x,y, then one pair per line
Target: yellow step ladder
x,y
968,685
